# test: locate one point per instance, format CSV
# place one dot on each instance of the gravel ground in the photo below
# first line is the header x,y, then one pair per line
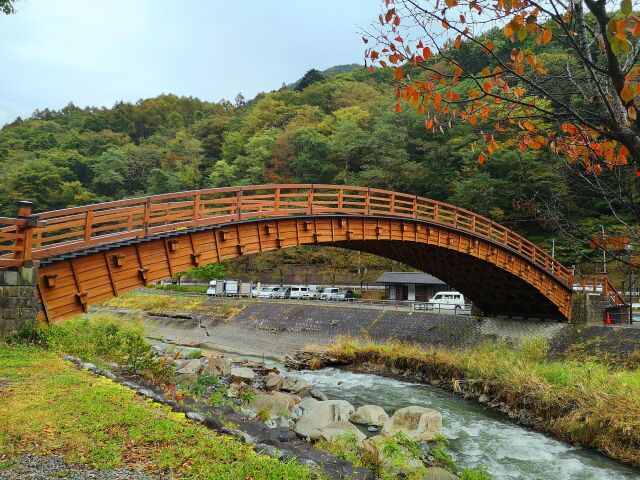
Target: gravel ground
x,y
53,467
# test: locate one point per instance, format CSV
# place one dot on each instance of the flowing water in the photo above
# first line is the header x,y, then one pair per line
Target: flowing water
x,y
478,437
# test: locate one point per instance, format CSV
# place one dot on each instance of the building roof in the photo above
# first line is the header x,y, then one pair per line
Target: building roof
x,y
419,278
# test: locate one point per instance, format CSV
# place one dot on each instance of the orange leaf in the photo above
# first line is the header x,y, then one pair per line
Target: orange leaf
x,y
481,159
428,124
547,35
458,41
398,73
426,53
396,20
626,94
398,108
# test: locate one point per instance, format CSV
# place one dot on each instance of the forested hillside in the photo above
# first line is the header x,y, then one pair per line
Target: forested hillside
x,y
330,127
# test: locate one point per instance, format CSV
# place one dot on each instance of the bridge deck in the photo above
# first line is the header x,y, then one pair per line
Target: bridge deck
x,y
58,235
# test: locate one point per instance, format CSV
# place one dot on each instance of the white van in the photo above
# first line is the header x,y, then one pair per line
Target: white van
x,y
447,301
299,292
212,287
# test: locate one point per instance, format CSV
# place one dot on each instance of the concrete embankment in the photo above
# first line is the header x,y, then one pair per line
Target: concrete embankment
x,y
276,329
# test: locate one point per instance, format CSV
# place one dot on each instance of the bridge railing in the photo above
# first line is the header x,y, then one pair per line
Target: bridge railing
x,y
598,284
76,228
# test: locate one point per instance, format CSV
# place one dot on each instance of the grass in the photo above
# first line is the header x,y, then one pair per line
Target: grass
x,y
156,302
49,407
170,287
580,401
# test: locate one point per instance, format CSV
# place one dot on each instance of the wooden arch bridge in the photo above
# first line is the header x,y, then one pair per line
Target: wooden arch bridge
x,y
91,253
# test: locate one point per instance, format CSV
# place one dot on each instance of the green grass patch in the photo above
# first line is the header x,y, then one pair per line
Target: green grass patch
x,y
50,407
157,302
170,287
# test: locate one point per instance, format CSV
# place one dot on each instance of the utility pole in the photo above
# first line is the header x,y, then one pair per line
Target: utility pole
x,y
604,253
629,249
553,248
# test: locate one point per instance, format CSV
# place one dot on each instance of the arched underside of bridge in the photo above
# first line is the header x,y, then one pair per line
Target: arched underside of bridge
x,y
497,279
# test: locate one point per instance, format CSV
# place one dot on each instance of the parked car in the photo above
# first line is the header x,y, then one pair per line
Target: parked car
x,y
312,293
212,287
343,296
267,292
447,301
299,292
281,292
326,292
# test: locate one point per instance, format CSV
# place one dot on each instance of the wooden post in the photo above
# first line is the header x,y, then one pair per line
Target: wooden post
x,y
310,200
24,232
276,200
88,221
239,203
196,207
147,216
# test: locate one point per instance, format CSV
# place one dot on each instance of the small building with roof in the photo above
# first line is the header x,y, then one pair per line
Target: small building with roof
x,y
411,286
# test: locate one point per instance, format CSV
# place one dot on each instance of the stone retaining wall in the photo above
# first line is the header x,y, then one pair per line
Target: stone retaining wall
x,y
18,307
276,329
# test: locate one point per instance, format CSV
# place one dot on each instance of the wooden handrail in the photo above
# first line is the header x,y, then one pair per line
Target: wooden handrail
x,y
78,228
598,284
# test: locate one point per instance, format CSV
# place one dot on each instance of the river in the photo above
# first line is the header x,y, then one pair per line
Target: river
x,y
478,437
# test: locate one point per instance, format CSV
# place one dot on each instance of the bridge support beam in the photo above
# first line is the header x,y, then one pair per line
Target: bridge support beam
x,y
18,293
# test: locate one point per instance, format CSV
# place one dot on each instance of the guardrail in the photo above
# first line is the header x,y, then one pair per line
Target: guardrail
x,y
77,228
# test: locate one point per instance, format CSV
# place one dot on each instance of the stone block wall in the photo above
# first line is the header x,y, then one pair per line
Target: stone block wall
x,y
18,289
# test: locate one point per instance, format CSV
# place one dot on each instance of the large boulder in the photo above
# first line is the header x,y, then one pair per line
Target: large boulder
x,y
438,473
218,366
294,384
370,415
335,429
273,381
273,403
190,367
242,374
321,414
417,423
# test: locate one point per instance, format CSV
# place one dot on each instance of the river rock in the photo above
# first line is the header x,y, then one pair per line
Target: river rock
x,y
335,429
276,403
320,415
273,381
293,384
438,473
242,374
191,367
270,402
307,404
318,394
370,415
417,423
218,366
483,398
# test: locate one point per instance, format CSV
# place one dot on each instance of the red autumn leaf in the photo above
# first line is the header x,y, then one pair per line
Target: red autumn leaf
x,y
481,159
398,108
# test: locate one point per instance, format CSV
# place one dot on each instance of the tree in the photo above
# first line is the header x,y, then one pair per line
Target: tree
x,y
475,61
6,7
312,76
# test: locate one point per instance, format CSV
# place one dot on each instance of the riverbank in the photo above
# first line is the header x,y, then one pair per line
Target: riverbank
x,y
53,411
583,402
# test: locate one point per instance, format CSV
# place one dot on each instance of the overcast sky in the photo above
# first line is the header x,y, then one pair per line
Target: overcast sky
x,y
96,52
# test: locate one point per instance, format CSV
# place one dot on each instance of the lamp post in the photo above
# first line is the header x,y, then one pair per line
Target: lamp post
x,y
629,249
